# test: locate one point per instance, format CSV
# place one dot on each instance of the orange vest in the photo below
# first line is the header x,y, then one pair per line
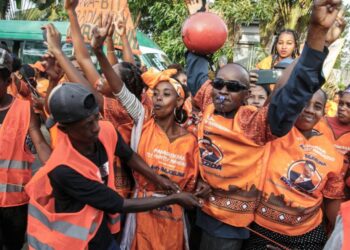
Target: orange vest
x,y
345,213
50,230
15,162
232,165
163,228
297,173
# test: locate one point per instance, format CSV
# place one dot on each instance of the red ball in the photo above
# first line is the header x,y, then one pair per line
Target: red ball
x,y
204,33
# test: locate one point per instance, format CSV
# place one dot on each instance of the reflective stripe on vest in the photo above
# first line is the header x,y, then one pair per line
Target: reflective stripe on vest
x,y
63,227
11,164
11,188
113,220
36,244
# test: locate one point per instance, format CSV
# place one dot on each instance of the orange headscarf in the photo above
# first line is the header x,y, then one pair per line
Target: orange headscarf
x,y
152,77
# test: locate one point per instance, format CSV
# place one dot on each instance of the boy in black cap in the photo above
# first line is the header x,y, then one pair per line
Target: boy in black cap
x,y
88,143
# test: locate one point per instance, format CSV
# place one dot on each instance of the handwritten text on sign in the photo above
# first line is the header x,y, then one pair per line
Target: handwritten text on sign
x,y
89,14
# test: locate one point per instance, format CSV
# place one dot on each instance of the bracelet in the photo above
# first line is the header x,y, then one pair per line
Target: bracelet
x,y
110,51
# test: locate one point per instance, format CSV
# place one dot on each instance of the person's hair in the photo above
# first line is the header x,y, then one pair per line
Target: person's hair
x,y
274,51
5,74
181,115
345,91
266,88
179,69
17,63
131,76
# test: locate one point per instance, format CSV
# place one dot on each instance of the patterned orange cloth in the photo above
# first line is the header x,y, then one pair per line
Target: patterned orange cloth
x,y
203,97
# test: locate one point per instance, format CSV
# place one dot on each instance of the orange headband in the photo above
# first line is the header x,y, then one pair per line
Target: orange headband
x,y
152,77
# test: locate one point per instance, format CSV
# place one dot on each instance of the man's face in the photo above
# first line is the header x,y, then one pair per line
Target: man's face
x,y
226,101
85,131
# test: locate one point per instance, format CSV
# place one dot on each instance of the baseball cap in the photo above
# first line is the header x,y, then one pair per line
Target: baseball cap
x,y
5,60
70,102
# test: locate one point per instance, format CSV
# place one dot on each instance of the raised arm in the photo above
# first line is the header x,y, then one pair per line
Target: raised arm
x,y
121,30
40,144
131,104
112,58
306,78
54,47
81,52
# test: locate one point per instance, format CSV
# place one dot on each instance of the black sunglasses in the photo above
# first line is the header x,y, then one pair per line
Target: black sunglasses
x,y
231,85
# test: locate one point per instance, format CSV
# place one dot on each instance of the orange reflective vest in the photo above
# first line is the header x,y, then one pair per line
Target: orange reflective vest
x,y
15,161
232,165
164,228
345,213
299,174
50,230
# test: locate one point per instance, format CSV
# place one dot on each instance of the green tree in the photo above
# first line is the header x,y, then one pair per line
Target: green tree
x,y
163,20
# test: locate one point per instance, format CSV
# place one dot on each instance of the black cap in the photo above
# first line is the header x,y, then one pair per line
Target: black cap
x,y
71,102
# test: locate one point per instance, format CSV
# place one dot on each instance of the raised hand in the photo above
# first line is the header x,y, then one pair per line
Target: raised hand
x,y
194,6
121,24
52,67
325,12
337,29
70,4
100,32
53,38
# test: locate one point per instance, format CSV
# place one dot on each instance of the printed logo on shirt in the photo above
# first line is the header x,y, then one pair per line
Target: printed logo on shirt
x,y
303,176
211,155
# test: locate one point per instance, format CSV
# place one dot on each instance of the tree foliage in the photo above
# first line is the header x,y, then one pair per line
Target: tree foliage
x,y
163,20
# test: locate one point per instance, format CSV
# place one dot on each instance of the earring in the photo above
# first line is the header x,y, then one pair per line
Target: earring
x,y
178,120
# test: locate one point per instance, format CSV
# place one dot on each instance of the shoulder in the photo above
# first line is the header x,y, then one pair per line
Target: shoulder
x,y
62,173
265,63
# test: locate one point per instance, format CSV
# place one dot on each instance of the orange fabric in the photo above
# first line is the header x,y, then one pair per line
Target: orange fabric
x,y
345,213
42,85
40,190
177,160
266,63
22,93
232,162
331,108
299,174
339,134
15,161
39,66
115,113
203,97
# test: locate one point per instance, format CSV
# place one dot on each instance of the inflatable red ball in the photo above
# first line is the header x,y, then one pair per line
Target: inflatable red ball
x,y
204,33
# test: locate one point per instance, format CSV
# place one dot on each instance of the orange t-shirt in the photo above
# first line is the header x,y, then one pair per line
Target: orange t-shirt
x,y
163,228
339,134
299,174
232,162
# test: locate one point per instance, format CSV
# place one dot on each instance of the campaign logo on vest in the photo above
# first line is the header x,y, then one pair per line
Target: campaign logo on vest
x,y
211,155
303,176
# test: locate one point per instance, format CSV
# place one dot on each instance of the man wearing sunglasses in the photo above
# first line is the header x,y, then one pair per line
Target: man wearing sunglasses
x,y
231,185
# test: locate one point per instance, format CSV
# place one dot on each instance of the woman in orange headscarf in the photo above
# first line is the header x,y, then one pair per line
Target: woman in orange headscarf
x,y
169,149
